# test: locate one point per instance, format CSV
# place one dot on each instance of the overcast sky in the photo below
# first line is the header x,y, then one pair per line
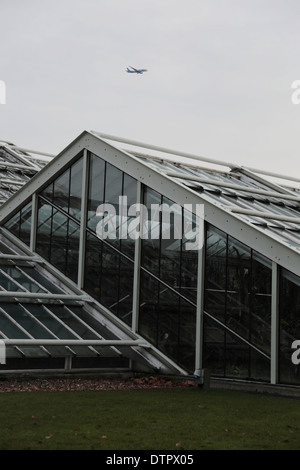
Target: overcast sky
x,y
219,80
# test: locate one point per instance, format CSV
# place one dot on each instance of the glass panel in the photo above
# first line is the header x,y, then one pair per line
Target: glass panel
x,y
61,190
21,279
9,329
130,193
20,224
187,334
170,248
26,321
214,347
289,372
148,312
96,189
109,287
216,255
109,277
58,239
238,288
92,322
151,244
65,191
8,284
237,363
109,185
41,280
125,291
50,322
72,250
167,321
189,263
76,189
261,302
93,264
113,185
238,294
73,322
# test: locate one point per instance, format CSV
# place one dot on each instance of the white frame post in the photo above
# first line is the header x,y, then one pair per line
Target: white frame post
x,y
274,323
82,238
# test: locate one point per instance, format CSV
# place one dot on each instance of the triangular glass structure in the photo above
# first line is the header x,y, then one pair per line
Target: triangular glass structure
x,y
115,226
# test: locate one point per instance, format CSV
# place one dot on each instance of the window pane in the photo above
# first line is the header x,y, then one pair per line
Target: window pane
x,y
27,322
289,326
20,224
151,244
96,189
61,190
216,255
76,189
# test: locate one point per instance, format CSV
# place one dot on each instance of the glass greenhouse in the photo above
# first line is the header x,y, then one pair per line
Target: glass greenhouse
x,y
97,270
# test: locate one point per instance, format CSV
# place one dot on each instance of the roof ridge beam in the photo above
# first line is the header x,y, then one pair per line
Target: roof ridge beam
x,y
164,150
266,215
191,156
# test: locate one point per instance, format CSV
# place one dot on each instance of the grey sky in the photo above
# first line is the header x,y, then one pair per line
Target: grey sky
x,y
219,79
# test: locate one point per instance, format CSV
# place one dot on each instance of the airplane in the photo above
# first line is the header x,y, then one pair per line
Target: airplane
x,y
135,70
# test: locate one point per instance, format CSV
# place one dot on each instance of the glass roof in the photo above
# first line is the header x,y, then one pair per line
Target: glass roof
x,y
273,208
16,168
39,317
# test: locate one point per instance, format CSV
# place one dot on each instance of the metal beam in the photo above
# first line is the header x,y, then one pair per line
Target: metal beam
x,y
191,156
83,219
164,150
75,342
237,187
274,324
41,295
265,215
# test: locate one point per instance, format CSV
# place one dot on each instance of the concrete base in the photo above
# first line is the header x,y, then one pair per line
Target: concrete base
x,y
255,387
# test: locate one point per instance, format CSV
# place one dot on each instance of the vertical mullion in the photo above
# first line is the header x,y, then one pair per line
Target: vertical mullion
x,y
33,229
274,323
200,296
83,219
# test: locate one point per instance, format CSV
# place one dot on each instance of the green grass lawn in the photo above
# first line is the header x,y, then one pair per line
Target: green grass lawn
x,y
169,419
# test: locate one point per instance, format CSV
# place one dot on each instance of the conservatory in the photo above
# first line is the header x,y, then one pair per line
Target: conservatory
x,y
121,255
